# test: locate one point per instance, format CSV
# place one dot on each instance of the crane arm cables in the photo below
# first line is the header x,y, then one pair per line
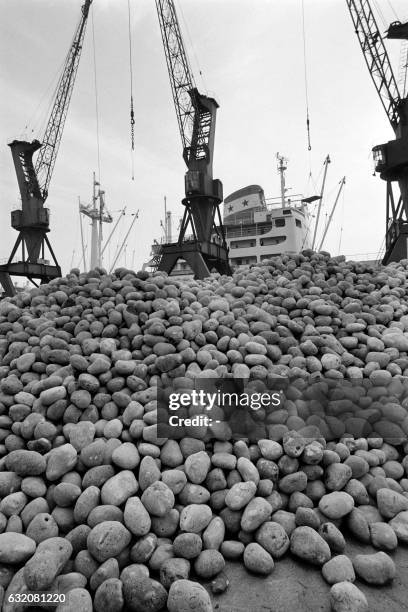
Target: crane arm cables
x,y
376,57
45,162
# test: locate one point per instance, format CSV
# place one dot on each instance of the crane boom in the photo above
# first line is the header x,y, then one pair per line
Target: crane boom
x,y
47,155
181,77
376,57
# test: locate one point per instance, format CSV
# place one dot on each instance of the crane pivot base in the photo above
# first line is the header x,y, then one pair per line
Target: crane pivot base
x,y
202,258
40,268
397,239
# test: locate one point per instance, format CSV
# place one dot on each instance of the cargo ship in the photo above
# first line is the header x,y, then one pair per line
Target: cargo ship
x,y
256,228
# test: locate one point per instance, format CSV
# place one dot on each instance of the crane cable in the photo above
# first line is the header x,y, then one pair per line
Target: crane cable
x,y
309,146
96,97
132,114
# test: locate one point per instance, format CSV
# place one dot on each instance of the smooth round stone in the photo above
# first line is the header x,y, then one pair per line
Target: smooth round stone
x,y
144,595
107,539
232,549
346,597
104,513
377,568
273,538
49,396
109,596
158,499
175,480
383,536
76,599
240,494
119,488
213,535
25,462
338,569
148,472
197,466
16,548
188,596
13,504
136,517
293,482
126,456
33,486
400,525
187,545
81,434
174,569
390,503
209,563
195,517
336,505
257,559
42,527
358,525
337,475
256,512
247,470
66,494
60,461
307,544
47,562
333,536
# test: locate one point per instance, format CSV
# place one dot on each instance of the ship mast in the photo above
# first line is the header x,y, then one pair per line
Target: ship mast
x,y
282,166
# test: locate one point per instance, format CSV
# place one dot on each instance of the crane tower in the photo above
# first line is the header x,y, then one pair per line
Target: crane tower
x,y
32,221
391,158
196,113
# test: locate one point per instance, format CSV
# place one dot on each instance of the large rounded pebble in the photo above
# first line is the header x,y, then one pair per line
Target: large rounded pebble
x,y
107,539
158,499
338,569
136,517
109,596
377,568
188,596
346,597
307,544
119,488
15,548
400,525
197,467
257,559
195,517
336,505
60,461
256,512
209,563
240,494
273,538
25,462
390,502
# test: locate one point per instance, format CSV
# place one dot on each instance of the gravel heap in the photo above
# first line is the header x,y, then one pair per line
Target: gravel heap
x,y
95,506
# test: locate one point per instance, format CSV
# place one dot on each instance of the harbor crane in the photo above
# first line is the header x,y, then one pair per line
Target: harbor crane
x,y
196,113
32,221
391,158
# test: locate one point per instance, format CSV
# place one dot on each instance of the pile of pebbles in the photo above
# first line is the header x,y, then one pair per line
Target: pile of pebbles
x,y
95,506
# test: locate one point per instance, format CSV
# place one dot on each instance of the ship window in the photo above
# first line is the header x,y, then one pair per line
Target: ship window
x,y
287,212
280,222
298,223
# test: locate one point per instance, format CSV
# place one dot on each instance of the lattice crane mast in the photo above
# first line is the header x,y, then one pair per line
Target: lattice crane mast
x,y
391,158
32,221
196,114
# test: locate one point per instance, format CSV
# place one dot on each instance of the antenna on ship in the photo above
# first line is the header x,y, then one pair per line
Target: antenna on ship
x,y
282,166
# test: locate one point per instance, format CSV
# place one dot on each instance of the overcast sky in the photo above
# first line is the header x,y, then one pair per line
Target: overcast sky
x,y
250,54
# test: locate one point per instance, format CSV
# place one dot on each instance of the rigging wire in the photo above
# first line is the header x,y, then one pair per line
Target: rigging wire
x,y
191,45
342,219
96,97
132,113
309,145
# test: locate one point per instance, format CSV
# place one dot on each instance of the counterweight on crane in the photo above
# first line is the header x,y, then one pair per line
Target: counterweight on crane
x,y
391,158
207,249
32,220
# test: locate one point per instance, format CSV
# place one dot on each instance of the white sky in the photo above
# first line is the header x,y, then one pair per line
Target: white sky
x,y
250,53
